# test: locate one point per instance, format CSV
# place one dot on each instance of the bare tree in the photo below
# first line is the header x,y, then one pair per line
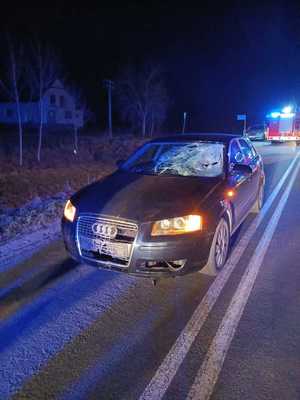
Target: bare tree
x,y
43,70
158,105
13,84
142,97
80,114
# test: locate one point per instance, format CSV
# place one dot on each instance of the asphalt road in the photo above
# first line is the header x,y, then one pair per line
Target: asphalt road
x,y
69,331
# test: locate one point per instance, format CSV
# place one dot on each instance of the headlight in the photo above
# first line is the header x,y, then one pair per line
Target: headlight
x,y
177,226
69,211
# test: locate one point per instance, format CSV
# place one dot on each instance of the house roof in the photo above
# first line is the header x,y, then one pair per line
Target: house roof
x,y
57,84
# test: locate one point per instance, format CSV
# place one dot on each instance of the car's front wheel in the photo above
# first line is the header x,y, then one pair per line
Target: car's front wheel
x,y
219,249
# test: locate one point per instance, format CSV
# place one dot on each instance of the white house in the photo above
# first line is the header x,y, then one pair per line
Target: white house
x,y
59,108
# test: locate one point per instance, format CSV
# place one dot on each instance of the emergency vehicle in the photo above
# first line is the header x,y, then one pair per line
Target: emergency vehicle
x,y
283,125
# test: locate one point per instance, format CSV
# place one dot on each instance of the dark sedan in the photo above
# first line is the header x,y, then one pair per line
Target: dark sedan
x,y
170,209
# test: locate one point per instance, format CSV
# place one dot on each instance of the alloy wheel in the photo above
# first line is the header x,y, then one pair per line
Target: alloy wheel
x,y
260,197
222,244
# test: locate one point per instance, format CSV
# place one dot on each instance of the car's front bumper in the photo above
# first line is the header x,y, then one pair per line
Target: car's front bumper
x,y
151,258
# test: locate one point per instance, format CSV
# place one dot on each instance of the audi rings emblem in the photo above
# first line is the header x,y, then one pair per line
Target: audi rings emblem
x,y
106,230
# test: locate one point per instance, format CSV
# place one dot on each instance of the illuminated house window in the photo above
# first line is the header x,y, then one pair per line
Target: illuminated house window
x,y
68,114
52,99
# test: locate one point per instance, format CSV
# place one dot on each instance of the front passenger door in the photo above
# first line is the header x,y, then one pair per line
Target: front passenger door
x,y
239,181
251,159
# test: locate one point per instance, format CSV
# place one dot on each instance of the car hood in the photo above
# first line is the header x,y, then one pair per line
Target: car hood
x,y
144,197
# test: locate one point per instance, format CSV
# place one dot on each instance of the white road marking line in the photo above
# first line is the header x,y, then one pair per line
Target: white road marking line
x,y
210,369
170,365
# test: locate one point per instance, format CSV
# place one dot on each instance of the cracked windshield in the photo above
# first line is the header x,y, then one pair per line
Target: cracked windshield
x,y
183,159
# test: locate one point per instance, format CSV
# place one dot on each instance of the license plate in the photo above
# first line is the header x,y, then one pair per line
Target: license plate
x,y
115,250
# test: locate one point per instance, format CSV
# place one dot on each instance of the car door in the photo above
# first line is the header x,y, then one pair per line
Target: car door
x,y
239,181
252,160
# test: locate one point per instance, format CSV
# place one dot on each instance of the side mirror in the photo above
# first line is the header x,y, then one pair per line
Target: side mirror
x,y
119,163
242,168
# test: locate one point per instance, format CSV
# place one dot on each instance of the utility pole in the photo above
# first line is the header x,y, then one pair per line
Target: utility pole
x,y
184,122
243,117
109,85
245,125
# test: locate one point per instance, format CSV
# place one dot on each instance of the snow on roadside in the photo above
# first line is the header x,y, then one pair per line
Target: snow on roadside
x,y
23,247
68,308
26,230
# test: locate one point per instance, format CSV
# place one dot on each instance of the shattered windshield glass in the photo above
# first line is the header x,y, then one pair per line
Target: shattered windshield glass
x,y
201,159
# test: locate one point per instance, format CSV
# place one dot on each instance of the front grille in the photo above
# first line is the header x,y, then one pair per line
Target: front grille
x,y
96,242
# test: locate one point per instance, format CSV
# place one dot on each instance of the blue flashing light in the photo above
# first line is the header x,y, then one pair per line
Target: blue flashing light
x,y
275,114
287,109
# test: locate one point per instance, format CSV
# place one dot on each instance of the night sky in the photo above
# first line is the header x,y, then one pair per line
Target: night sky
x,y
217,60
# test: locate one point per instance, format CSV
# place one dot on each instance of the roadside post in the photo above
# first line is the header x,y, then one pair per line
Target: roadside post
x,y
242,117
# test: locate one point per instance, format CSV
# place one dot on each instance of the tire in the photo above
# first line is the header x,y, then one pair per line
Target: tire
x,y
217,259
259,200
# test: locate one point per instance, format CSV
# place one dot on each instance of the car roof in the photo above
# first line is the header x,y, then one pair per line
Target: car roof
x,y
192,137
256,126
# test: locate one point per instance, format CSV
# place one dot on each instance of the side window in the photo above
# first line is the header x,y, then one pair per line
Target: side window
x,y
61,101
52,99
248,151
253,149
235,156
